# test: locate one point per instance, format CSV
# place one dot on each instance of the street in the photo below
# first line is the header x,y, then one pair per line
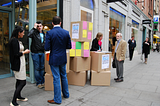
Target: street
x,y
141,87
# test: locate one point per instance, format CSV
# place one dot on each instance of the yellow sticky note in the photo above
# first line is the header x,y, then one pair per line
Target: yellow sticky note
x,y
72,52
90,26
86,45
78,52
84,33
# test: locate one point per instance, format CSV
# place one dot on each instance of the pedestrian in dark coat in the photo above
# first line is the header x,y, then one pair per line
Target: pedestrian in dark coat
x,y
132,45
146,49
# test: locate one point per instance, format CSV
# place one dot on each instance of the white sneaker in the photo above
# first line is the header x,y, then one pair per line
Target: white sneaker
x,y
24,100
13,105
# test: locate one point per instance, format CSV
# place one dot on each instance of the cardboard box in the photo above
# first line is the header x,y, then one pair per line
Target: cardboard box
x,y
101,61
102,78
78,64
80,49
47,66
81,31
77,78
48,85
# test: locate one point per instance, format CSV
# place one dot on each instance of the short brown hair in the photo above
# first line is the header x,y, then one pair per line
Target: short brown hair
x,y
99,34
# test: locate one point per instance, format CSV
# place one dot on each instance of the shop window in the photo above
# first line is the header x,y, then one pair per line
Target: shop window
x,y
22,19
135,28
116,25
46,10
6,3
87,4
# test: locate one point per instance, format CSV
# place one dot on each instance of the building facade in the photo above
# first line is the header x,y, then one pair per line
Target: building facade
x,y
124,17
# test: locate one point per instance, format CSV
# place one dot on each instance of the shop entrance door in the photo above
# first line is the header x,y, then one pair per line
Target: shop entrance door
x,y
5,33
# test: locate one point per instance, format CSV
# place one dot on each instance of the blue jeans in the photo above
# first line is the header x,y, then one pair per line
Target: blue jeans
x,y
38,61
59,72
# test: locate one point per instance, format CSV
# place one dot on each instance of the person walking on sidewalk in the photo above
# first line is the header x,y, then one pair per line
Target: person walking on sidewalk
x,y
119,56
18,65
37,48
146,49
57,41
132,45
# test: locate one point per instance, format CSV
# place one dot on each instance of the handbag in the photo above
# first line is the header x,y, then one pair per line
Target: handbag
x,y
142,57
113,63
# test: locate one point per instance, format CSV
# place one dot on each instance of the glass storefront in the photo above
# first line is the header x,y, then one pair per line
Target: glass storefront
x,y
4,43
22,19
116,25
46,10
6,3
135,26
87,8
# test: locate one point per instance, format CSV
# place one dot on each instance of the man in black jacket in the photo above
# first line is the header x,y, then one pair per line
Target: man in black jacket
x,y
37,48
132,45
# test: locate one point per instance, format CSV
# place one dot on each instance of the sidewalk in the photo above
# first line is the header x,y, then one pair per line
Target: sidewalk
x,y
141,87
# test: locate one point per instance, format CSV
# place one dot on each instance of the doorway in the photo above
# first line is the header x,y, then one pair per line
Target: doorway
x,y
5,33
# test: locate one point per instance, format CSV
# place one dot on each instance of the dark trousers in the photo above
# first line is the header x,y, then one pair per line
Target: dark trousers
x,y
119,68
131,53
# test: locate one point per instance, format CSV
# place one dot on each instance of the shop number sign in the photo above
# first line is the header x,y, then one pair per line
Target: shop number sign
x,y
105,61
75,31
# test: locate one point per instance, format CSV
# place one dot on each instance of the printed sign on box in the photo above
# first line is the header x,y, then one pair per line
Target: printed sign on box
x,y
75,31
105,61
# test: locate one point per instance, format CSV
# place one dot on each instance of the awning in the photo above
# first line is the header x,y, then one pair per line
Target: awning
x,y
155,36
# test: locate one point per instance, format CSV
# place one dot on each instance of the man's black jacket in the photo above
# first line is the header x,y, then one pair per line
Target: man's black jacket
x,y
36,46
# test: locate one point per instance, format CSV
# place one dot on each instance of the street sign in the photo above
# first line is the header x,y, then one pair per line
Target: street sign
x,y
146,21
109,1
156,19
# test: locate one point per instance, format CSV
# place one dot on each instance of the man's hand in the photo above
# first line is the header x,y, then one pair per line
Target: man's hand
x,y
120,60
35,25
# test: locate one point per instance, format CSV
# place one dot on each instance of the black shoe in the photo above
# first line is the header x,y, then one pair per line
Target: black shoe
x,y
119,80
115,78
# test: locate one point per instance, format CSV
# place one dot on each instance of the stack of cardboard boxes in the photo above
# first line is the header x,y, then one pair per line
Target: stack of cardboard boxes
x,y
81,35
48,75
100,68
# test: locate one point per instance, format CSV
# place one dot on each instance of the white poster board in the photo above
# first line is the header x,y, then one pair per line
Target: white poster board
x,y
75,31
105,61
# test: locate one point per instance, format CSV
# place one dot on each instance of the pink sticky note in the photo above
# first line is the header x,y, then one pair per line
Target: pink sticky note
x,y
84,25
73,45
89,35
86,53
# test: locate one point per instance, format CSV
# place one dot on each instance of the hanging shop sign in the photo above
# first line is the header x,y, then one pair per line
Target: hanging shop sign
x,y
109,1
146,21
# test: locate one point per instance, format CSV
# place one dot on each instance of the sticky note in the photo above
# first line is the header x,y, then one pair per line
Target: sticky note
x,y
86,53
73,45
78,45
86,45
89,35
72,52
90,26
84,33
84,25
78,52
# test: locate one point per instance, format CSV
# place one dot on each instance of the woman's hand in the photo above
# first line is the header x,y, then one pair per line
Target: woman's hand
x,y
26,51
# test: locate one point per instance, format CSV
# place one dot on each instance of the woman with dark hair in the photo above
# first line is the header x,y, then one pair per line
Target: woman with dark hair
x,y
17,60
96,43
146,48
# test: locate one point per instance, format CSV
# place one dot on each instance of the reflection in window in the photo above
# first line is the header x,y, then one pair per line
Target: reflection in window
x,y
46,10
22,19
87,4
6,3
86,16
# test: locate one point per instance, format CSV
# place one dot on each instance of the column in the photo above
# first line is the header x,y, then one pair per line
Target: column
x,y
32,20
